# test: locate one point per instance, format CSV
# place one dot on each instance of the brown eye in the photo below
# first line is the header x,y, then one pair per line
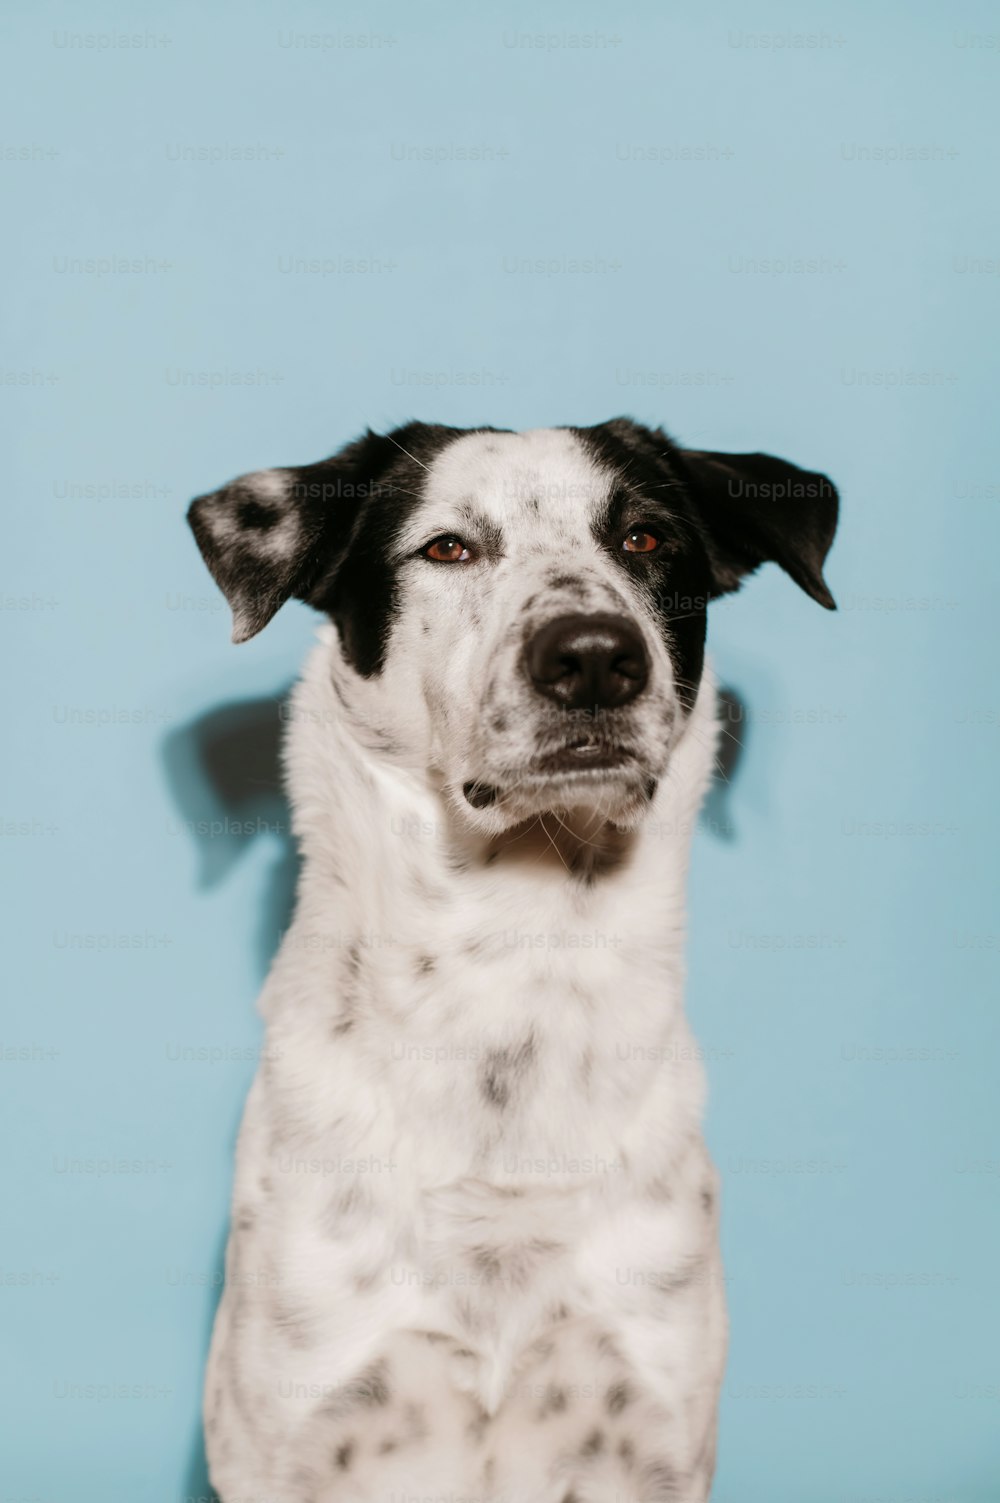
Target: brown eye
x,y
641,540
448,550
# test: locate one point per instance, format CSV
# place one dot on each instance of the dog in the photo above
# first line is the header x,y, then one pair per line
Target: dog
x,y
473,1250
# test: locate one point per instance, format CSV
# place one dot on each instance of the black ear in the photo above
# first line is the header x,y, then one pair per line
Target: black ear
x,y
755,508
275,534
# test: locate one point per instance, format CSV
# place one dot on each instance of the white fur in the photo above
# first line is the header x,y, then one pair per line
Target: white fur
x,y
481,1249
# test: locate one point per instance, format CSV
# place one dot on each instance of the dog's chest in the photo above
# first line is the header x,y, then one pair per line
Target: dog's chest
x,y
520,1061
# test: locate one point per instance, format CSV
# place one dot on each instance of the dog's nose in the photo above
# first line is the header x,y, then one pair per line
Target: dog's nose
x,y
588,662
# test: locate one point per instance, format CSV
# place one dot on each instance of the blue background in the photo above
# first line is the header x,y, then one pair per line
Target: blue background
x,y
844,934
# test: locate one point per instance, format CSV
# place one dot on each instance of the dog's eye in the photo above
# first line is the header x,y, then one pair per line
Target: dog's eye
x,y
641,540
448,550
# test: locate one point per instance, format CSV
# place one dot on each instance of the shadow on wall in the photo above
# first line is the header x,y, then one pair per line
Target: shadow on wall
x,y
224,773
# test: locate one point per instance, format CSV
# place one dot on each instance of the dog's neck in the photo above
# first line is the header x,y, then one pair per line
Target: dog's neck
x,y
383,850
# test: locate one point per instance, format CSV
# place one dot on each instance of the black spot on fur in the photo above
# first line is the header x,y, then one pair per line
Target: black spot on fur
x,y
501,1070
487,1261
257,515
658,1482
370,1389
294,1324
594,1444
554,1401
708,1200
617,1398
626,1450
343,1455
476,1428
426,965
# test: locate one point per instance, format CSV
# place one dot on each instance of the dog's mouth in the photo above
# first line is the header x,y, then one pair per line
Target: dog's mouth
x,y
583,754
565,770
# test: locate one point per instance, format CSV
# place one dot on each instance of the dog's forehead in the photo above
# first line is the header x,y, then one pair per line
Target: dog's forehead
x,y
543,476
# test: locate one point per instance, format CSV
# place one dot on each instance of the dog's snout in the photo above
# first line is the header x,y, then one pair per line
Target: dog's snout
x,y
588,662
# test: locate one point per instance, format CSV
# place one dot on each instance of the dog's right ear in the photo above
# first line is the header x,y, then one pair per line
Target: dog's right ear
x,y
275,534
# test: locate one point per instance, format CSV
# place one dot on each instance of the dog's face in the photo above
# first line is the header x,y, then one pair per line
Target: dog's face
x,y
521,614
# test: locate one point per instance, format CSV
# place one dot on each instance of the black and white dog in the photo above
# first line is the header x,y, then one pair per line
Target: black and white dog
x,y
474,1249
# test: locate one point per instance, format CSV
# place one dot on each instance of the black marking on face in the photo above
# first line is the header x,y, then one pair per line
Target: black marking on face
x,y
593,1445
675,579
359,589
344,1455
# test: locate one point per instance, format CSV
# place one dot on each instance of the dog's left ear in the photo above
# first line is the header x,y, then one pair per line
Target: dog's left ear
x,y
278,534
257,535
756,508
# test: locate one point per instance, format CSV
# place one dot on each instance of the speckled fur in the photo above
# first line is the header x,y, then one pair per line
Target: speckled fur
x,y
474,1249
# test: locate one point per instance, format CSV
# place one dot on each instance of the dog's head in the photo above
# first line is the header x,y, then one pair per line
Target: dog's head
x,y
523,614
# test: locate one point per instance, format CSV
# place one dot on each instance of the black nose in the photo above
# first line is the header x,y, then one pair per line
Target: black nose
x,y
588,662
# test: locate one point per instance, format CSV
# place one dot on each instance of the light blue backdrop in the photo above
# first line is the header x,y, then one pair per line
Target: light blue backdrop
x,y
521,218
